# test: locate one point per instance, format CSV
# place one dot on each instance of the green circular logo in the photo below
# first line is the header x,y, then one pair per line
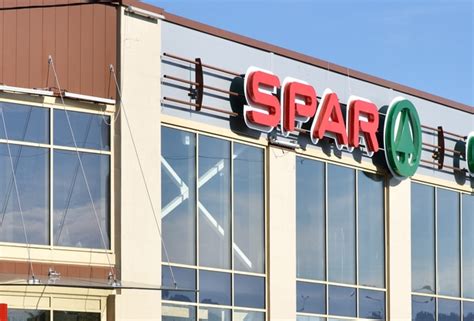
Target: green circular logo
x,y
402,138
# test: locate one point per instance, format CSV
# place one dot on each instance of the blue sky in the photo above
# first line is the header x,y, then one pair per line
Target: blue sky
x,y
425,44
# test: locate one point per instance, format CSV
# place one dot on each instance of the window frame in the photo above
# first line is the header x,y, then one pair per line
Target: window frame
x,y
232,272
66,254
356,286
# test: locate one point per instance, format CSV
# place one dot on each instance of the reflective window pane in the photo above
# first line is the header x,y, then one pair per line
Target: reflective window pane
x,y
185,279
310,220
213,314
31,167
309,318
422,238
171,312
75,316
468,245
75,222
449,310
342,301
371,230
178,212
448,243
371,304
214,202
249,291
24,123
468,308
214,287
248,316
27,315
310,298
249,209
423,308
341,221
90,130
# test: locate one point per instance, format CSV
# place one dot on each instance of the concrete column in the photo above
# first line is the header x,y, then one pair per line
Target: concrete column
x,y
138,239
399,250
282,234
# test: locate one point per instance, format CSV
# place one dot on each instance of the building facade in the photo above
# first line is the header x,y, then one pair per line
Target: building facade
x,y
155,168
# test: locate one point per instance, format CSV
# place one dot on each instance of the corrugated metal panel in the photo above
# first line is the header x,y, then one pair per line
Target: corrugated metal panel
x,y
80,38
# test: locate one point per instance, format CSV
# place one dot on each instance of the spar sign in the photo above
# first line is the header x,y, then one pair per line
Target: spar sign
x,y
296,104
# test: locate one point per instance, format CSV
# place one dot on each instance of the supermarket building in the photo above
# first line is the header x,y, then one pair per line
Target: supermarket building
x,y
153,167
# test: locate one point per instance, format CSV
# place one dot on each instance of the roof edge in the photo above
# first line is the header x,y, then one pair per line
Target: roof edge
x,y
298,56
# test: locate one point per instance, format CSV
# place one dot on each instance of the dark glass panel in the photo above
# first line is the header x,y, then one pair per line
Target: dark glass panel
x,y
371,304
185,279
423,308
24,123
468,245
310,220
342,301
449,310
214,287
310,298
249,291
75,316
28,315
422,238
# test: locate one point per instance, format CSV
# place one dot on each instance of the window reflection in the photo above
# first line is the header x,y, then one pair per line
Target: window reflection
x,y
468,309
31,167
214,287
90,130
214,314
75,222
371,304
449,310
468,245
249,291
75,316
310,298
25,123
185,279
423,308
371,230
178,150
27,315
248,316
214,202
422,238
342,301
448,243
341,222
310,220
249,209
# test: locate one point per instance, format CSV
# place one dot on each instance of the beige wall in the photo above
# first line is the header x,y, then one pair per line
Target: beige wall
x,y
282,234
138,243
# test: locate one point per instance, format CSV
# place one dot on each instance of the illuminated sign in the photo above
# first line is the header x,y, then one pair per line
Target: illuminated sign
x,y
293,103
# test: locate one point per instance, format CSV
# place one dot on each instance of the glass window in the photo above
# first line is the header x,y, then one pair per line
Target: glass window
x,y
25,123
214,314
178,165
468,311
341,221
468,245
371,304
75,222
249,291
31,167
249,316
90,130
371,230
185,279
342,301
171,312
214,287
422,238
310,297
309,318
27,315
448,243
75,316
310,220
214,202
449,310
423,308
249,209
